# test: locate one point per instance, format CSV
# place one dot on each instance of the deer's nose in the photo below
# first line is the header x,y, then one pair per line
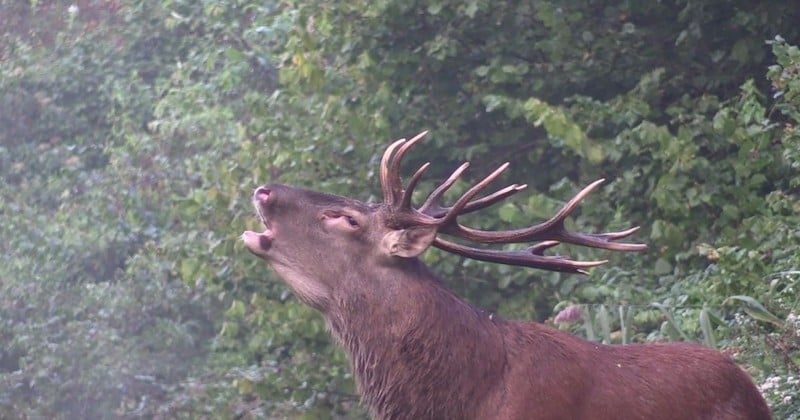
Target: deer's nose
x,y
261,195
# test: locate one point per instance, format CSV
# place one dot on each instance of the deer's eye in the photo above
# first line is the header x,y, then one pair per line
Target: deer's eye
x,y
339,218
351,221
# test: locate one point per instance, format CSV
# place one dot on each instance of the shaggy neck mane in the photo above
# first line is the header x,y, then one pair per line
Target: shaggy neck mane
x,y
417,351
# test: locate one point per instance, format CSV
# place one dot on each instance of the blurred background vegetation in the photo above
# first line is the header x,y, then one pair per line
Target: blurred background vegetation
x,y
133,132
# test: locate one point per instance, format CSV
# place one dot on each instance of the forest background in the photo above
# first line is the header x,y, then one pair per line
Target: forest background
x,y
133,132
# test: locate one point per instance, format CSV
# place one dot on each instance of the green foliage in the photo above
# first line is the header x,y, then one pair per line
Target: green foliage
x,y
134,132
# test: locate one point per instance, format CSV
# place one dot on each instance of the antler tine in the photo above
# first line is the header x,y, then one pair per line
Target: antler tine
x,y
389,185
394,192
601,240
539,248
432,205
394,169
457,208
391,182
573,203
493,198
531,257
482,202
552,229
405,202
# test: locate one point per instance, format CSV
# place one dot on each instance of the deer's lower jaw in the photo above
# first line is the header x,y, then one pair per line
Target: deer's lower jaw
x,y
258,243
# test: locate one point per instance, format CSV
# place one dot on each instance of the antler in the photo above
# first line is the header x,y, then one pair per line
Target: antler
x,y
432,213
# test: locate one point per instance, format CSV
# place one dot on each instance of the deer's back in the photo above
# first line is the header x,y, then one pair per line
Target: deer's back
x,y
555,375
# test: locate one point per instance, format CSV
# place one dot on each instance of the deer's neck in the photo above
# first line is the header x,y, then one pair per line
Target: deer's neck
x,y
418,351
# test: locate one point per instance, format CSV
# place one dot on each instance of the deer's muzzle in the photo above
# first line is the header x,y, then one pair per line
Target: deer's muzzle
x,y
260,243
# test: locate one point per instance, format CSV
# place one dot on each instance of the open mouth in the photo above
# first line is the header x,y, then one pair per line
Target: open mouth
x,y
259,242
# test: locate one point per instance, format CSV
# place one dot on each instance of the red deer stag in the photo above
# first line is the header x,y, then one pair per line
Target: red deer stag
x,y
419,352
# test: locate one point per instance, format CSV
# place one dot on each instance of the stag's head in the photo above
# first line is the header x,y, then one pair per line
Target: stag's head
x,y
315,241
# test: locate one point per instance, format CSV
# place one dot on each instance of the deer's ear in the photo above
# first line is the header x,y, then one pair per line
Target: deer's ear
x,y
409,242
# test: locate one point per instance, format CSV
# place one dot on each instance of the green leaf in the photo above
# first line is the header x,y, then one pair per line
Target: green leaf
x,y
508,212
588,323
237,310
707,329
604,321
670,327
662,267
435,8
188,269
471,9
754,308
